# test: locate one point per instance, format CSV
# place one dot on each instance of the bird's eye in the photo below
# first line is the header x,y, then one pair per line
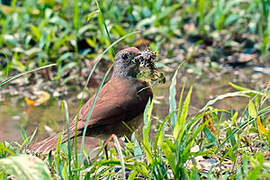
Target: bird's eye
x,y
125,56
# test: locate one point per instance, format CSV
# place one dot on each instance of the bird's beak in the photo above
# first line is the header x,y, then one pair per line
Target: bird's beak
x,y
136,59
138,54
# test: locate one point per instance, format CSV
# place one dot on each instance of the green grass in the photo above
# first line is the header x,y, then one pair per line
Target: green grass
x,y
36,33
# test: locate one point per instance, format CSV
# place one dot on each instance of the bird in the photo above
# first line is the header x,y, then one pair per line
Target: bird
x,y
119,107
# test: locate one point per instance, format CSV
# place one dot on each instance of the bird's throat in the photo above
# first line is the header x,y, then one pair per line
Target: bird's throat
x,y
129,71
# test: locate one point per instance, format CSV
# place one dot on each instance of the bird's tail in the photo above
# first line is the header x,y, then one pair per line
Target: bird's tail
x,y
46,145
50,143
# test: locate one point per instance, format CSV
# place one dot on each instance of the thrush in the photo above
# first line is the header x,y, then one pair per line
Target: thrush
x,y
120,103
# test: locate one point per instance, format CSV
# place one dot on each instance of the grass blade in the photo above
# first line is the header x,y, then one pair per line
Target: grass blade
x,y
160,132
231,94
179,127
118,148
105,26
68,133
172,100
21,74
146,130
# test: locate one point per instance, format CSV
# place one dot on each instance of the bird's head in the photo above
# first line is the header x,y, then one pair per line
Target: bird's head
x,y
125,64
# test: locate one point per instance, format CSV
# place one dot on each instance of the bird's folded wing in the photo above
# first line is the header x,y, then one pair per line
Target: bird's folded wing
x,y
115,104
109,111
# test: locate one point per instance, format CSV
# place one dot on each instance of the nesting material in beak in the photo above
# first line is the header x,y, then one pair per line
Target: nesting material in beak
x,y
147,60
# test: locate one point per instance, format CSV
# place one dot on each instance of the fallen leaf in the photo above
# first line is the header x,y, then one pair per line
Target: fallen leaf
x,y
261,127
42,97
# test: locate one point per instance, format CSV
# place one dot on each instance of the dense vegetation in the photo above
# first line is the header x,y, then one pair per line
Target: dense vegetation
x,y
35,33
213,143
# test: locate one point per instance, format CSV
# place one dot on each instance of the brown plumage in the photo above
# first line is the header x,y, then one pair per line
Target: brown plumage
x,y
122,99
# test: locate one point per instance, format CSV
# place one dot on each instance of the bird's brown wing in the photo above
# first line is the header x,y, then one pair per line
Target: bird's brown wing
x,y
119,100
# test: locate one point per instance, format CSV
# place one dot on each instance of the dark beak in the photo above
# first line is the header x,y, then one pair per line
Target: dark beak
x,y
138,54
137,58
